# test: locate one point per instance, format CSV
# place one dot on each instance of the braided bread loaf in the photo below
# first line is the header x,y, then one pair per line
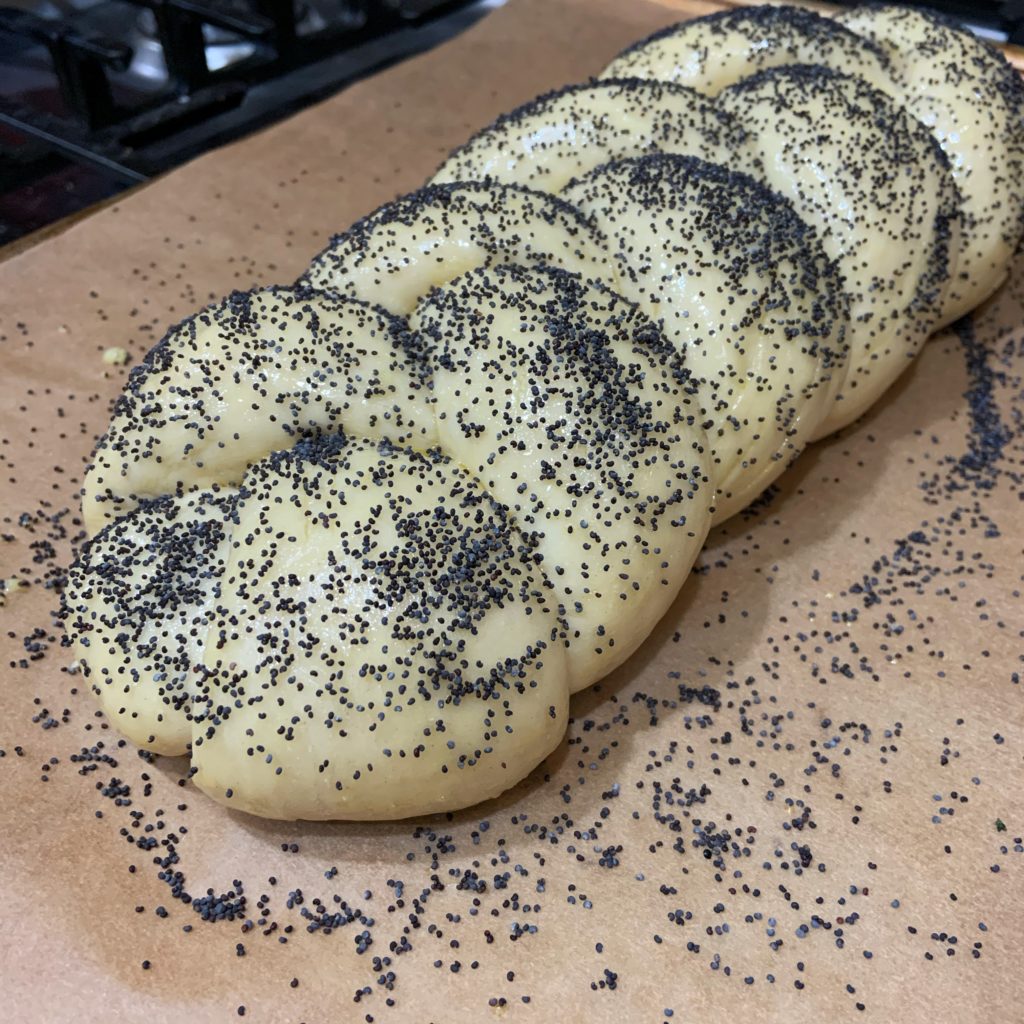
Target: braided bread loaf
x,y
357,540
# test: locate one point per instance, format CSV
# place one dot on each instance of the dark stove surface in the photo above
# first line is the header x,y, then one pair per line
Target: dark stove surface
x,y
96,95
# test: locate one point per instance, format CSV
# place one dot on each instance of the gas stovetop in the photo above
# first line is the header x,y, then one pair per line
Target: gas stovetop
x,y
98,95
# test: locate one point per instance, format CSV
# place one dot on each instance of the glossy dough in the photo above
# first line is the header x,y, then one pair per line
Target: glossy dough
x,y
876,187
557,137
745,293
971,100
576,411
252,374
957,86
138,604
394,612
384,646
422,240
711,53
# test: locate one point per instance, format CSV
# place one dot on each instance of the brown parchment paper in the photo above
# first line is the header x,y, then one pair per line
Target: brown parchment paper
x,y
857,768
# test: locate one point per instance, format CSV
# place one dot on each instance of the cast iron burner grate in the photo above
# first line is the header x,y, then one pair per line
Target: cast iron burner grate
x,y
96,95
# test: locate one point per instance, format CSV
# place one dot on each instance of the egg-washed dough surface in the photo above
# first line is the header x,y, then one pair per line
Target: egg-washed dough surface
x,y
851,530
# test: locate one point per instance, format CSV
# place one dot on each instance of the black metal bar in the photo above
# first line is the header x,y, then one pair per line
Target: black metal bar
x,y
83,83
179,25
181,37
298,86
80,62
211,108
76,151
31,26
281,14
246,23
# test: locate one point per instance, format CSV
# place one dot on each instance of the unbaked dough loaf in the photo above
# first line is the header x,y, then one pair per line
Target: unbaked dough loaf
x,y
357,540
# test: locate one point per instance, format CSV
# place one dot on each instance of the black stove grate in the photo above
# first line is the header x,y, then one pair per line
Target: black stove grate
x,y
96,95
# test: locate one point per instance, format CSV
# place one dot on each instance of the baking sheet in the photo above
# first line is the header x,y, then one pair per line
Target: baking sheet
x,y
854,766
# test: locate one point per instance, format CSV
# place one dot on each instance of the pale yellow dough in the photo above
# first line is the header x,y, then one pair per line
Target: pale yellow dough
x,y
960,88
140,598
746,294
971,99
422,240
562,135
356,541
385,647
875,186
572,408
714,52
247,376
